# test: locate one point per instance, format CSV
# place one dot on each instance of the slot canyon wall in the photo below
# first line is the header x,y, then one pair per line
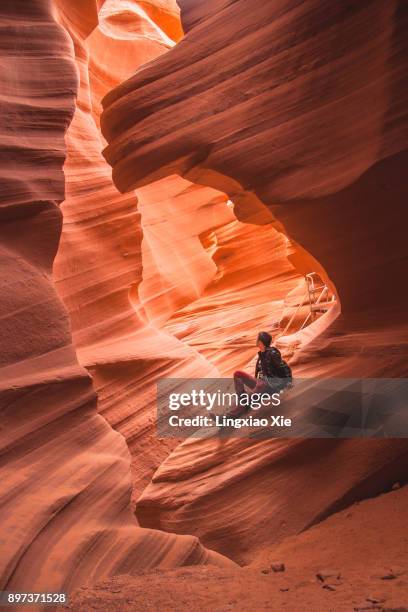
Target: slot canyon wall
x,y
139,271
65,500
237,167
100,255
296,110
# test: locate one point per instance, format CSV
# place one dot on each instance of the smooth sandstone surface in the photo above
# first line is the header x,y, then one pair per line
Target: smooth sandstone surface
x,y
267,100
296,110
293,110
128,264
65,497
100,254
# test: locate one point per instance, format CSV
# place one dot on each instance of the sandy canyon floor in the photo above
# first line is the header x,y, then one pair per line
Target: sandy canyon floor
x,y
355,560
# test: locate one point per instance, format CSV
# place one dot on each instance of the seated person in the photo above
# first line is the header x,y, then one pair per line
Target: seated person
x,y
272,373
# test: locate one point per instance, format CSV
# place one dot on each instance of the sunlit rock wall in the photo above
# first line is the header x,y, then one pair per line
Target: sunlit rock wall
x,y
296,110
65,498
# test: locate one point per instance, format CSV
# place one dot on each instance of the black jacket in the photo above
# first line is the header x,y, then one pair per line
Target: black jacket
x,y
271,365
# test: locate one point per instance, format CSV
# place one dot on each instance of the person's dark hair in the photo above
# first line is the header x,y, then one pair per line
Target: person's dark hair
x,y
265,338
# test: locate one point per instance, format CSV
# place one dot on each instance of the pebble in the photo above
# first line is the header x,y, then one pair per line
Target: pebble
x,y
325,574
278,567
375,600
389,576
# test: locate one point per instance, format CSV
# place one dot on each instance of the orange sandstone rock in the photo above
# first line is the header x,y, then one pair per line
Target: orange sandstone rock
x,y
65,493
298,112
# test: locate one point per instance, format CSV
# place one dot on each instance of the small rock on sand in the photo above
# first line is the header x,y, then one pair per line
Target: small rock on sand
x,y
278,567
389,576
324,575
375,600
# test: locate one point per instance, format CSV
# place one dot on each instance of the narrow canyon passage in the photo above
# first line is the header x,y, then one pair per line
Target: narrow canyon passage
x,y
167,184
131,266
305,160
208,279
182,294
65,472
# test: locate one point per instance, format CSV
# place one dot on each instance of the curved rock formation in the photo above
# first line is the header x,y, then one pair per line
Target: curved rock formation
x,y
240,497
99,267
65,514
246,295
260,101
264,102
128,264
270,96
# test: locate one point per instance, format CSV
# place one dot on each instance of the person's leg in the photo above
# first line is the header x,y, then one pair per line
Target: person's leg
x,y
242,380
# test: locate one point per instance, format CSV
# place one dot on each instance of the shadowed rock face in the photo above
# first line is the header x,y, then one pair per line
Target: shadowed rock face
x,y
297,110
358,556
65,474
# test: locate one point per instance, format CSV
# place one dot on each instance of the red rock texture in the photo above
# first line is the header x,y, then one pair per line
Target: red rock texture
x,y
214,292
65,515
99,258
127,264
267,100
294,110
297,110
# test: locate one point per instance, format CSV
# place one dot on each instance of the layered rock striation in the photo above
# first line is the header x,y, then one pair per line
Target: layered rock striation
x,y
99,261
267,101
65,499
296,110
128,264
269,142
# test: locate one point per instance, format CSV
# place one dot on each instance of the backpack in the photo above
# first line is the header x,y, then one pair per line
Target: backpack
x,y
283,370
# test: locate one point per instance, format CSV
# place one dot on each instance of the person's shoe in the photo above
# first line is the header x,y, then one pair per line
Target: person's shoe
x,y
240,409
234,414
